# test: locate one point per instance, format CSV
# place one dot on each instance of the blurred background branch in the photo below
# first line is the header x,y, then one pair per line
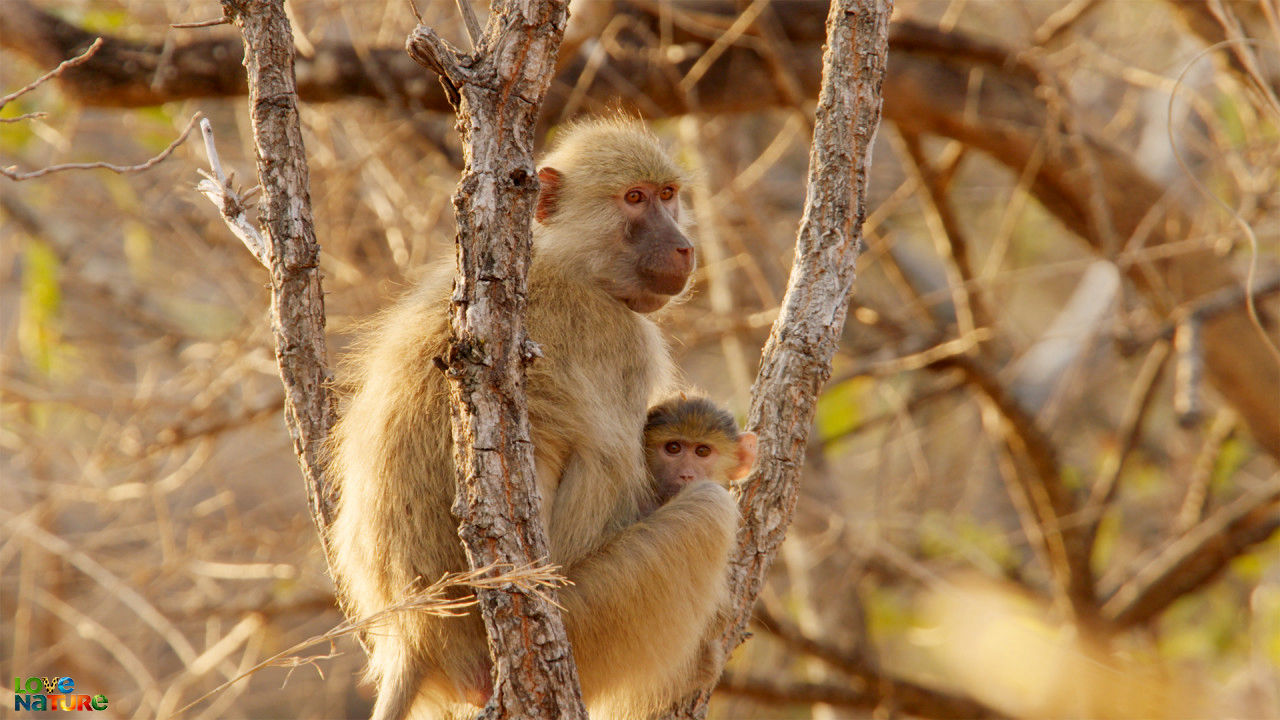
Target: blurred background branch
x,y
1057,501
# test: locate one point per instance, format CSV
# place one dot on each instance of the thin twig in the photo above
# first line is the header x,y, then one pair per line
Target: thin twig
x,y
211,150
123,591
1246,62
434,599
62,67
851,664
1195,502
413,7
122,656
949,238
471,22
1063,20
1033,441
912,405
1251,275
1215,303
918,359
722,43
28,116
224,20
908,698
13,174
1046,494
1140,396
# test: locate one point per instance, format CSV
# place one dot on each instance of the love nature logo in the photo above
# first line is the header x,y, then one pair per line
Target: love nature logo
x,y
56,693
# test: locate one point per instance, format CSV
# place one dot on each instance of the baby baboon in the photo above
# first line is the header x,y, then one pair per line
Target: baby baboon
x,y
608,247
687,440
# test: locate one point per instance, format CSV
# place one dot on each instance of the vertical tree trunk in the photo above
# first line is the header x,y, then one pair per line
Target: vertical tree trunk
x,y
297,299
497,91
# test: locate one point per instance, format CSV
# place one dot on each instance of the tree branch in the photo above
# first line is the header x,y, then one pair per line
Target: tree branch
x,y
13,173
1107,485
797,357
62,67
928,705
1188,562
497,91
880,689
1054,507
289,248
232,204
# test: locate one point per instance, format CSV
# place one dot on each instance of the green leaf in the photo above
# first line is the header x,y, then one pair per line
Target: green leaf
x,y
16,136
839,410
103,20
1234,453
39,331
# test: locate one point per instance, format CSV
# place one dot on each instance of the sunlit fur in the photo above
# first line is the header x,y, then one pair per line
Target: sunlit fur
x,y
598,160
644,590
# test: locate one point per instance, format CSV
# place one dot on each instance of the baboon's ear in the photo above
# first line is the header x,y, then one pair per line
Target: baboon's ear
x,y
746,456
548,193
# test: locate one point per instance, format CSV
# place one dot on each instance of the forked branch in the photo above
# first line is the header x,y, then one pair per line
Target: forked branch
x,y
286,242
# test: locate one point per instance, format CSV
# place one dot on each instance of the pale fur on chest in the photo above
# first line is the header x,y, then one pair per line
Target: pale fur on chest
x,y
594,388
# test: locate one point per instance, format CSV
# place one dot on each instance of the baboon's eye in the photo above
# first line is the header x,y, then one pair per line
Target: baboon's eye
x,y
667,193
672,448
703,450
634,197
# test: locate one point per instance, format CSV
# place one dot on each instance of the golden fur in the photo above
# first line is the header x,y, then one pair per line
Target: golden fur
x,y
644,589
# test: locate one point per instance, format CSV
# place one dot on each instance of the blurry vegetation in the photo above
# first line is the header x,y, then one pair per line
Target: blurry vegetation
x,y
1004,511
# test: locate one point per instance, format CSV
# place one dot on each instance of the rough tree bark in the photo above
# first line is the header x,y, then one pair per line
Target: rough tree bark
x,y
497,91
292,254
797,357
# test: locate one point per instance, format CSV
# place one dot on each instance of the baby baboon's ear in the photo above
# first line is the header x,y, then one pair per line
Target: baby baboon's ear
x,y
747,443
